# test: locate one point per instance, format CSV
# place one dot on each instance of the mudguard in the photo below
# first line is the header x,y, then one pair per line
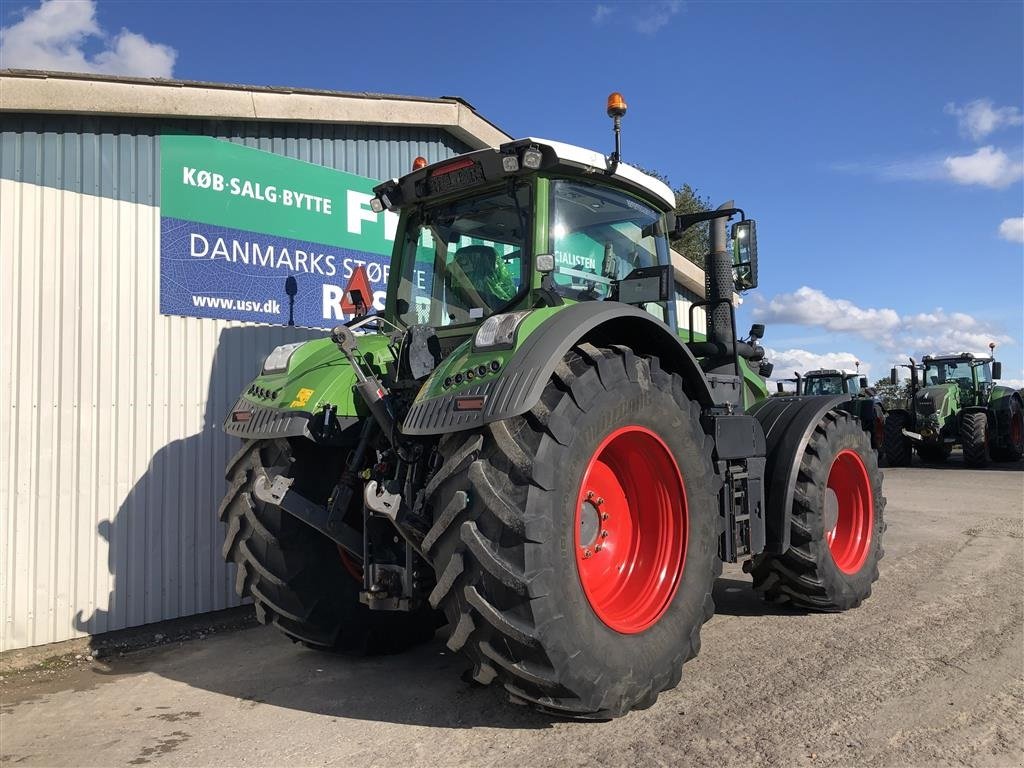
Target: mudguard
x,y
523,377
788,423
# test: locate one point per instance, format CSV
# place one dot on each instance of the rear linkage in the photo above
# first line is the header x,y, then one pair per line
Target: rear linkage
x,y
395,574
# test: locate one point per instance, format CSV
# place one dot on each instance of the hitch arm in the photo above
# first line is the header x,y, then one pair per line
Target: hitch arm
x,y
280,494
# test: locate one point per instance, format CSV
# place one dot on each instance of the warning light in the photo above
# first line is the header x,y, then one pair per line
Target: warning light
x,y
616,105
419,162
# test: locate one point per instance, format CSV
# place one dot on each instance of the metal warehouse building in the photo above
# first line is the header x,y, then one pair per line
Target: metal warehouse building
x,y
112,452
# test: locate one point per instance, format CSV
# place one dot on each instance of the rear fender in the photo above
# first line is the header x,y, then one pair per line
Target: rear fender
x,y
788,423
518,386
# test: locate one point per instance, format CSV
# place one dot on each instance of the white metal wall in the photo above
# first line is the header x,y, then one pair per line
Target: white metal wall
x,y
112,453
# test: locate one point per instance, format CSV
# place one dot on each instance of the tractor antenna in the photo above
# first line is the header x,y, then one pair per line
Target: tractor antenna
x,y
616,111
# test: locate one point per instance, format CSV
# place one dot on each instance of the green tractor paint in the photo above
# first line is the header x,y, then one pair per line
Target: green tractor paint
x,y
956,402
529,446
862,403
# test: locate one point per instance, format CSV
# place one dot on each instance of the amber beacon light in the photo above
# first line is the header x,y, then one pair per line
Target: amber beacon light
x,y
616,105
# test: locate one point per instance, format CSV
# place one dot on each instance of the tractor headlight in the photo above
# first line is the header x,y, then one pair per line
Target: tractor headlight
x,y
498,331
278,360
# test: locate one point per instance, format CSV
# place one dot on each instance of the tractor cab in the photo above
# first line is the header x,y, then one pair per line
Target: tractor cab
x,y
834,382
530,224
974,375
827,381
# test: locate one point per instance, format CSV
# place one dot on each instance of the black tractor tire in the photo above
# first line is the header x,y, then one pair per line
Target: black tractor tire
x,y
1011,446
295,575
974,438
933,454
506,547
838,489
878,430
898,449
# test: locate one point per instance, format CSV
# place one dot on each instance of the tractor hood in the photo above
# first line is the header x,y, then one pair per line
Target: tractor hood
x,y
937,399
312,395
936,406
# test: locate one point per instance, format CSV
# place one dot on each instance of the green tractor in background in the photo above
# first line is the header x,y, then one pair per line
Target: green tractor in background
x,y
529,446
862,404
956,402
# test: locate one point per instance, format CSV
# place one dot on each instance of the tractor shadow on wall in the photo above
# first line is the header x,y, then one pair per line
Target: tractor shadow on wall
x,y
163,544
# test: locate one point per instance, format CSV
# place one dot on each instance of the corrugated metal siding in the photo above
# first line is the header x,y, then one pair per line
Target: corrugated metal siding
x,y
111,453
120,157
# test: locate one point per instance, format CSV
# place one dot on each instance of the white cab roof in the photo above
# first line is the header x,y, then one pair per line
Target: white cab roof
x,y
588,157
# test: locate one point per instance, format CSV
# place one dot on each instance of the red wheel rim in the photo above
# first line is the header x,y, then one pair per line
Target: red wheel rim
x,y
1016,428
631,529
849,500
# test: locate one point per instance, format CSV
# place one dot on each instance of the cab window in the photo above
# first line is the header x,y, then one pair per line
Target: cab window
x,y
600,235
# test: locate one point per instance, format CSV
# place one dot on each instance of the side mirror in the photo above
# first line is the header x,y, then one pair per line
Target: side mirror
x,y
894,377
779,386
744,254
997,370
757,331
863,382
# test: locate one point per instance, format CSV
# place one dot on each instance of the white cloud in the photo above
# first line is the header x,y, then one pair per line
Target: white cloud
x,y
789,361
657,16
809,306
54,35
988,166
601,12
1012,230
935,332
980,117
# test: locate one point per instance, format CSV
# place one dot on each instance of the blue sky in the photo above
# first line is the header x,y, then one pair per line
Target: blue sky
x,y
879,145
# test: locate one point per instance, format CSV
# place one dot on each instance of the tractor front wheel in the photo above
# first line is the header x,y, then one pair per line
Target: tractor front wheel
x,y
576,546
297,577
836,526
898,450
974,438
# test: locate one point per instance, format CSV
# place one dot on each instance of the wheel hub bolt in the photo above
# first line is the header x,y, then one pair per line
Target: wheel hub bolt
x,y
604,534
605,515
587,553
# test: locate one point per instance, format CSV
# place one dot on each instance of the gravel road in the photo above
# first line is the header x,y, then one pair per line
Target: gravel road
x,y
930,671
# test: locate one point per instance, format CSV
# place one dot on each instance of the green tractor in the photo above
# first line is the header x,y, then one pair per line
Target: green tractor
x,y
862,403
529,447
957,402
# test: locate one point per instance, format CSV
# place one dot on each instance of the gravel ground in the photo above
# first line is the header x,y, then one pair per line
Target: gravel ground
x,y
930,671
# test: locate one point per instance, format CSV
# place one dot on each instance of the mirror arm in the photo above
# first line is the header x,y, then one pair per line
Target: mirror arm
x,y
686,220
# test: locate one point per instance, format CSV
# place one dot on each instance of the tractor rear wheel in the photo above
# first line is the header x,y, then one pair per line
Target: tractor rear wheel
x,y
897,445
576,546
1011,447
296,576
836,527
974,438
